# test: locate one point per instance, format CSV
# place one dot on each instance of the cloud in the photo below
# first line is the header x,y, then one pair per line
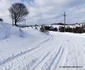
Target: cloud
x,y
47,11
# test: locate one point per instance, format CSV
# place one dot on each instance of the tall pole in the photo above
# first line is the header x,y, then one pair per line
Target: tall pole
x,y
64,20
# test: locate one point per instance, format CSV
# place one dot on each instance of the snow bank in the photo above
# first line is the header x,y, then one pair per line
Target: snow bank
x,y
7,30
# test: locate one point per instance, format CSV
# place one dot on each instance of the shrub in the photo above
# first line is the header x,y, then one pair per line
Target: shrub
x,y
50,28
47,27
74,30
68,29
55,29
42,28
61,29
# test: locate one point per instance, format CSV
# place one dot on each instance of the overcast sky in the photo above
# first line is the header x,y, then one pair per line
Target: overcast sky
x,y
47,11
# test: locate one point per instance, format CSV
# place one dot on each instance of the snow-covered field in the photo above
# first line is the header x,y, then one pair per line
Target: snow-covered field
x,y
29,49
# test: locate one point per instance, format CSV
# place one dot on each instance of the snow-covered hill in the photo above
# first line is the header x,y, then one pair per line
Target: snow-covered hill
x,y
7,30
30,49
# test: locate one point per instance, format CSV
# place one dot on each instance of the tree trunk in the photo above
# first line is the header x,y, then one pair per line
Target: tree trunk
x,y
15,22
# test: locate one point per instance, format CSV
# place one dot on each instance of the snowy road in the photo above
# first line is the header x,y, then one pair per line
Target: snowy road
x,y
55,53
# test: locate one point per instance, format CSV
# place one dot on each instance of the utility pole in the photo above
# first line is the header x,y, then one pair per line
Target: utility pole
x,y
64,20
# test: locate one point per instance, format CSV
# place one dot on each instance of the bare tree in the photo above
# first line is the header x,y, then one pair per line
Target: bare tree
x,y
18,12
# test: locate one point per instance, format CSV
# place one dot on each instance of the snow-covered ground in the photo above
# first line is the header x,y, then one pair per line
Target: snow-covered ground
x,y
30,49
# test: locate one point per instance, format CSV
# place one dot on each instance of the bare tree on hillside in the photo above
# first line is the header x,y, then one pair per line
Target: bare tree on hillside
x,y
18,11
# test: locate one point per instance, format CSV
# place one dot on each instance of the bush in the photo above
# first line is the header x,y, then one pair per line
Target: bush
x,y
50,28
61,29
74,30
42,28
78,30
47,27
68,29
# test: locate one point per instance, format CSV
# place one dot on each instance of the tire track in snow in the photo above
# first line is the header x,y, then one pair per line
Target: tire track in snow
x,y
23,53
74,50
55,59
48,66
40,61
70,57
83,43
69,52
82,53
38,51
77,46
59,59
56,56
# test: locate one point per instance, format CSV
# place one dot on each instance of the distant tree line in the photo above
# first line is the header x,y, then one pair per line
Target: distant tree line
x,y
74,30
47,28
61,29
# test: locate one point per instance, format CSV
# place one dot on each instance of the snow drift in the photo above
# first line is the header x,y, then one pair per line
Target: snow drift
x,y
7,30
